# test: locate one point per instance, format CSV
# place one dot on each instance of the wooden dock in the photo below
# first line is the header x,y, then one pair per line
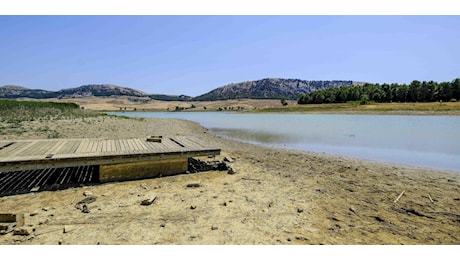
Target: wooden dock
x,y
72,161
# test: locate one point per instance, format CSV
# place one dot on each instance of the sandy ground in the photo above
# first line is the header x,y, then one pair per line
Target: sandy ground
x,y
276,196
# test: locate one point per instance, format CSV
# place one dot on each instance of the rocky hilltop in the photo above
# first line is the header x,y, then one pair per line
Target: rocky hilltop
x,y
271,88
99,90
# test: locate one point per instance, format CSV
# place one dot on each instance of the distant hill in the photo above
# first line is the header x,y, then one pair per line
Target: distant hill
x,y
100,90
271,88
11,91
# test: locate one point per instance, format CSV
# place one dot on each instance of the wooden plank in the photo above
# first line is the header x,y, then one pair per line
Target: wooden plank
x,y
187,143
141,144
99,146
117,145
15,148
58,146
83,147
131,145
111,145
93,145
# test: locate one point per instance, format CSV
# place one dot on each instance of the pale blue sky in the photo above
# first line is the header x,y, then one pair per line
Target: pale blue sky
x,y
192,55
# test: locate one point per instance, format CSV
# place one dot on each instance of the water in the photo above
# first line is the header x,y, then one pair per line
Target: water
x,y
427,141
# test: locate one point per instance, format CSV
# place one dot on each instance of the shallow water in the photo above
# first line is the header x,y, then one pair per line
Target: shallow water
x,y
427,141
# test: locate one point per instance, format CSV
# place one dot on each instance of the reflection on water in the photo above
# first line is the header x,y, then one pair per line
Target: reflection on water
x,y
429,141
253,136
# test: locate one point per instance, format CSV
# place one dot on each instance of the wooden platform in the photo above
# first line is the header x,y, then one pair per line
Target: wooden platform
x,y
56,153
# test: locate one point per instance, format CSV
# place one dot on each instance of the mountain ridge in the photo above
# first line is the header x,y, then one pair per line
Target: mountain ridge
x,y
268,88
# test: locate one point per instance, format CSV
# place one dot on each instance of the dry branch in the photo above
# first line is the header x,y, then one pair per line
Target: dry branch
x,y
400,195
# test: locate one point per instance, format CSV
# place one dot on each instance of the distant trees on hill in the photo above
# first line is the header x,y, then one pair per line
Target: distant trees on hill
x,y
416,91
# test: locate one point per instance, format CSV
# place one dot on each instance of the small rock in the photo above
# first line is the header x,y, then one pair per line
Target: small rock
x,y
231,171
45,208
301,238
87,193
299,210
144,186
214,227
192,207
23,231
162,225
44,222
228,159
194,184
85,209
33,213
352,210
66,229
149,200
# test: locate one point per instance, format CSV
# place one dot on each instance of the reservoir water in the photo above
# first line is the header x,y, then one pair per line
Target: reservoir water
x,y
426,141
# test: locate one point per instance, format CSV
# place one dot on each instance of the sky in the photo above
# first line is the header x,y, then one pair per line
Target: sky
x,y
193,54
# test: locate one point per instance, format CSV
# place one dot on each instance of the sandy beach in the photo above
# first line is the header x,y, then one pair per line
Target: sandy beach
x,y
275,197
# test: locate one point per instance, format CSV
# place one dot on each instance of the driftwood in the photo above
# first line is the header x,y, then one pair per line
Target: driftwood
x,y
400,195
430,198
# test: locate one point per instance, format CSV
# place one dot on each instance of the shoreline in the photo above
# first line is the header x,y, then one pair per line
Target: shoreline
x,y
277,196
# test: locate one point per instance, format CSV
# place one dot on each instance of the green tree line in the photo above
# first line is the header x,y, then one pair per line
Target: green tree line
x,y
416,91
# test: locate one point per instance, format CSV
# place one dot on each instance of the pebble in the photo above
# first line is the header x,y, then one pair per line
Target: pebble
x,y
21,231
194,184
87,193
231,171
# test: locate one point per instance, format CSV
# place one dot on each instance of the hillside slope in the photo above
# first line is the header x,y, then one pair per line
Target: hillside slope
x,y
271,88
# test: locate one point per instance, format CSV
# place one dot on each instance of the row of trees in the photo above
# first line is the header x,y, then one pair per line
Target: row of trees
x,y
416,91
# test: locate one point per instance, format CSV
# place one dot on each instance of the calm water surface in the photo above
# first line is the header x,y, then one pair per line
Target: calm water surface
x,y
428,141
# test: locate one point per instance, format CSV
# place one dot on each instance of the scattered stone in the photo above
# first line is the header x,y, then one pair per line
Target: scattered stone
x,y
85,209
192,207
228,159
299,210
66,229
301,238
379,219
23,231
194,184
149,200
289,239
195,165
45,208
352,210
33,213
162,225
144,186
224,204
87,193
46,221
214,227
231,171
